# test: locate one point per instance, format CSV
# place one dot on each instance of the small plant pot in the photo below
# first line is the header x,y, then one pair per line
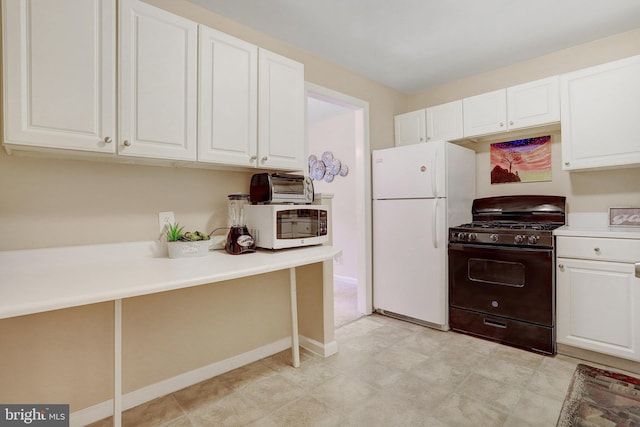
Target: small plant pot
x,y
182,249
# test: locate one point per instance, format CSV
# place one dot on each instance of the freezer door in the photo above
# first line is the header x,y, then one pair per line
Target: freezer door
x,y
409,258
410,171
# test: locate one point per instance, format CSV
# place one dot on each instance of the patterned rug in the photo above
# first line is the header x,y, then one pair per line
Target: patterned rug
x,y
599,398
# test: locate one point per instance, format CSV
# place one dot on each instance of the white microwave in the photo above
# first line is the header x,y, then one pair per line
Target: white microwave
x,y
287,226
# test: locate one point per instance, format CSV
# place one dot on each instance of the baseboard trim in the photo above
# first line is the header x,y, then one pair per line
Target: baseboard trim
x,y
345,279
132,399
316,347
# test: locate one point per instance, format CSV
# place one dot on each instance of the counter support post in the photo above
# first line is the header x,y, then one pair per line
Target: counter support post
x,y
117,364
295,345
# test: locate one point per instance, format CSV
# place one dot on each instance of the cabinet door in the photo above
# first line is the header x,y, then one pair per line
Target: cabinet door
x,y
59,74
597,305
158,83
600,106
228,102
534,103
410,128
444,122
281,112
486,113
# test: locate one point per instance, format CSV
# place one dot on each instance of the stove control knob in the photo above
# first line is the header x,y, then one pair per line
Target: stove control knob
x,y
519,239
494,238
461,236
533,239
472,237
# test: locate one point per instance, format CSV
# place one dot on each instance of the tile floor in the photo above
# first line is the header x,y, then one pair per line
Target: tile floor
x,y
387,373
345,298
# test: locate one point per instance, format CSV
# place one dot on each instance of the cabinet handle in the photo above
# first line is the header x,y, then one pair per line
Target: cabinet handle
x,y
252,158
501,124
421,139
638,269
561,266
511,122
264,159
596,250
127,143
567,163
107,140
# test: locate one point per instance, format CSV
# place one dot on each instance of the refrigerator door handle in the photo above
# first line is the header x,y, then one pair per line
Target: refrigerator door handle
x,y
434,187
434,225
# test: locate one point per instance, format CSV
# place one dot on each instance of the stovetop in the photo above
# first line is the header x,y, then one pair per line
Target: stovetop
x,y
512,220
510,225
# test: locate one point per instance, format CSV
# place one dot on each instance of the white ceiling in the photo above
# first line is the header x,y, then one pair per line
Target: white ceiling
x,y
411,45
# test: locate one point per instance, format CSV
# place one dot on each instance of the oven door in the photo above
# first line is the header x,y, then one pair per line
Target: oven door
x,y
505,281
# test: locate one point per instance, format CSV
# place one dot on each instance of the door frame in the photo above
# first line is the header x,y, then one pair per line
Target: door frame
x,y
362,173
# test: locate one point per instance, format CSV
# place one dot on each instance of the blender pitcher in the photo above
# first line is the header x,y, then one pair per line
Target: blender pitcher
x,y
239,240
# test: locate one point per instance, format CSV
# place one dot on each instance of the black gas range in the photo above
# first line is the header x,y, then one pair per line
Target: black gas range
x,y
501,271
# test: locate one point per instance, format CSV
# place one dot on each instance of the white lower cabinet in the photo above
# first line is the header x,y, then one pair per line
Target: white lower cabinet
x,y
598,295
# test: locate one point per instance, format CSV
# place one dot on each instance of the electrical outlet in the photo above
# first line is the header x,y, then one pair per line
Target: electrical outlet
x,y
165,219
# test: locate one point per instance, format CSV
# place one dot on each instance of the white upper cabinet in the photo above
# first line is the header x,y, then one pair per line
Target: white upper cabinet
x,y
531,104
410,128
438,123
281,112
444,122
158,83
228,103
59,74
485,113
601,116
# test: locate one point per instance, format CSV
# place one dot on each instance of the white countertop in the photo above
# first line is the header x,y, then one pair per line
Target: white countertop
x,y
38,280
604,231
595,224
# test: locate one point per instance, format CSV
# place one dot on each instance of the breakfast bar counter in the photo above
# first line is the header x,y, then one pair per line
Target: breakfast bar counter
x,y
40,280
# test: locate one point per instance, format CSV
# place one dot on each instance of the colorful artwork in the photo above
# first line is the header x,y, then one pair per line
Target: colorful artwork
x,y
524,160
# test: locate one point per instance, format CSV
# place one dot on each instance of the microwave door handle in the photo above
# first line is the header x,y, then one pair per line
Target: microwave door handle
x,y
434,224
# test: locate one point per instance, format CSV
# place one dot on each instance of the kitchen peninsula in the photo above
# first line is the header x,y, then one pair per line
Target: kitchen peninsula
x,y
119,277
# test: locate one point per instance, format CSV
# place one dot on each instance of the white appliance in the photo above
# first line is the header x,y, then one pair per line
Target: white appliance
x,y
287,226
419,191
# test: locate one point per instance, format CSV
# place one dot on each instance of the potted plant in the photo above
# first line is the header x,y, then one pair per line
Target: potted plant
x,y
186,244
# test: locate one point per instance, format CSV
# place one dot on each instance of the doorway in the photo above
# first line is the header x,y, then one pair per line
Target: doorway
x,y
338,124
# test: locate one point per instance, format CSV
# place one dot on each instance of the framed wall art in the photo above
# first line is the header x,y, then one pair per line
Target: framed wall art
x,y
523,160
624,217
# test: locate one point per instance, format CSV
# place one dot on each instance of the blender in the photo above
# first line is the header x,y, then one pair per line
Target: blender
x,y
239,240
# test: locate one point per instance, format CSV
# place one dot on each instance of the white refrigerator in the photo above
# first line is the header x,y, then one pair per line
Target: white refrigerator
x,y
419,191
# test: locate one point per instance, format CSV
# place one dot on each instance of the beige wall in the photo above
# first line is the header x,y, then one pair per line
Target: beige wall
x,y
593,191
